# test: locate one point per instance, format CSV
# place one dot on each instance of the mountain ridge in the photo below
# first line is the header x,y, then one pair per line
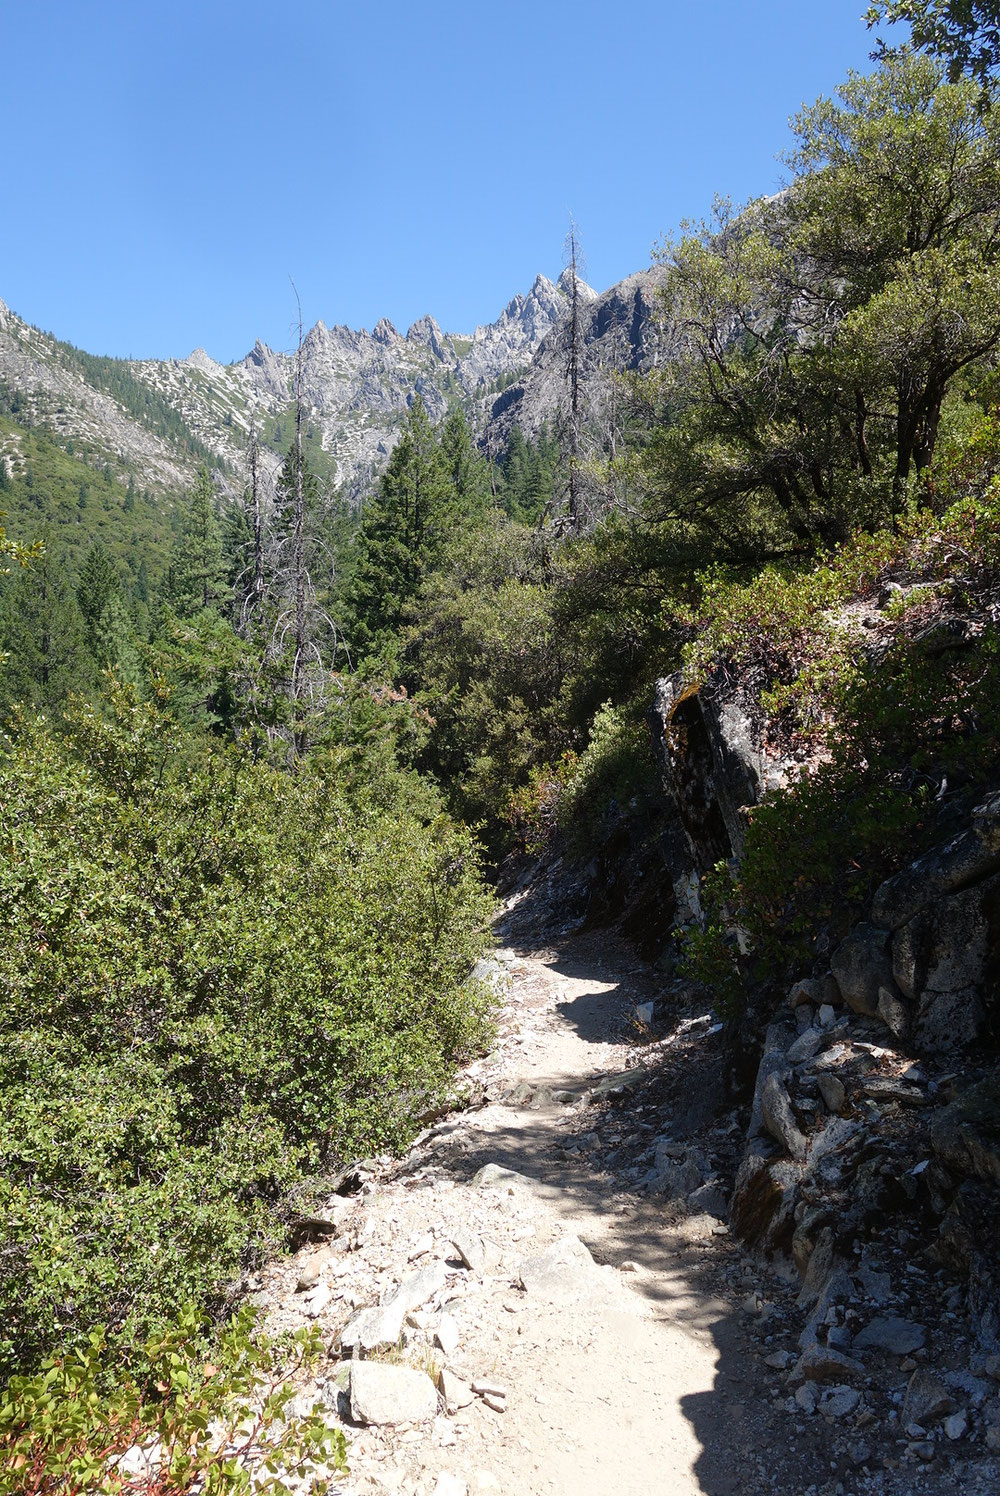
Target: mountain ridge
x,y
357,385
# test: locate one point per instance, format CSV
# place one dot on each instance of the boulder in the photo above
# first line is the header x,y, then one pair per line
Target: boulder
x,y
889,1332
384,1394
966,1134
927,1400
779,1119
805,1046
893,1012
833,1093
764,1198
710,1200
821,1364
777,1039
952,947
862,966
948,1020
563,1273
965,860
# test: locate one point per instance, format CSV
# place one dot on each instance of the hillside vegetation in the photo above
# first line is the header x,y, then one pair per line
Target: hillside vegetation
x,y
255,750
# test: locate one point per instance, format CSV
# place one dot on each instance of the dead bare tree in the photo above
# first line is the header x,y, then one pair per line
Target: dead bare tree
x,y
250,580
296,641
572,255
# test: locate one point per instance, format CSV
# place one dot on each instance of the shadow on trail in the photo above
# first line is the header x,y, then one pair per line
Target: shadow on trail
x,y
584,1161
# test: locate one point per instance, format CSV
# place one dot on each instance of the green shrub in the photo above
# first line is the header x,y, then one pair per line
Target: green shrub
x,y
216,975
616,765
884,731
219,1426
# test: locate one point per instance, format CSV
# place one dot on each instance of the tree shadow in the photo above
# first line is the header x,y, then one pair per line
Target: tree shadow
x,y
587,1160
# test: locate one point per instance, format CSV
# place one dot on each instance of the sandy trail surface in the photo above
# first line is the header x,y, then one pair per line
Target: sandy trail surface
x,y
583,1304
573,1328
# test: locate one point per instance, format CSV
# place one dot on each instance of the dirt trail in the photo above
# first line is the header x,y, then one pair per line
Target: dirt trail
x,y
589,1332
607,1352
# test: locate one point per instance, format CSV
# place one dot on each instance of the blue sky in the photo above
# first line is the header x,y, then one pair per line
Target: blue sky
x,y
168,164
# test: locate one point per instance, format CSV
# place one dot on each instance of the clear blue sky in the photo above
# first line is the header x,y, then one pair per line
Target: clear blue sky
x,y
167,164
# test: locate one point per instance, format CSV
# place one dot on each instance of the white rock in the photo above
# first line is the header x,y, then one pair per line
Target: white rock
x,y
317,1299
562,1272
449,1485
446,1335
383,1394
457,1394
489,1389
471,1251
841,1401
379,1326
805,1046
807,1397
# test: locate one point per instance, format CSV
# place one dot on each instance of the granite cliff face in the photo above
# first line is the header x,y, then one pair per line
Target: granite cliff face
x,y
619,331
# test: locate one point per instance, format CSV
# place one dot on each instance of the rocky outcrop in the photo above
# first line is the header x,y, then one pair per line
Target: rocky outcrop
x,y
855,1132
849,1134
619,331
714,763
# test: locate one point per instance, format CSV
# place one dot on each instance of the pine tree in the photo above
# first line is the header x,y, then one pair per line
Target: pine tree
x,y
402,531
97,583
197,573
466,468
43,635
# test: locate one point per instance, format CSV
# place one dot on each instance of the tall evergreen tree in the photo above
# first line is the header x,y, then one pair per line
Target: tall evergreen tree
x,y
197,574
43,635
402,532
466,468
97,583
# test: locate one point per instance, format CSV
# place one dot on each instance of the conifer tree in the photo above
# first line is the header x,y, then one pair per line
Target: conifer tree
x,y
197,574
466,468
97,583
402,532
43,636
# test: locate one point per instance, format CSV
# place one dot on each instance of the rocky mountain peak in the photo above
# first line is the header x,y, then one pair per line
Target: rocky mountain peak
x,y
384,332
199,359
565,285
357,385
424,330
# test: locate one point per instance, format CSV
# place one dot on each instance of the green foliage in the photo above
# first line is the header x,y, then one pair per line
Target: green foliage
x,y
196,579
533,807
142,402
67,498
615,766
202,1417
216,975
882,733
527,475
42,636
402,533
489,665
819,334
963,33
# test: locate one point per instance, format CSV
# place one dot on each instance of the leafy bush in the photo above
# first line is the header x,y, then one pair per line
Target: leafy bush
x,y
220,1426
216,975
892,733
616,765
